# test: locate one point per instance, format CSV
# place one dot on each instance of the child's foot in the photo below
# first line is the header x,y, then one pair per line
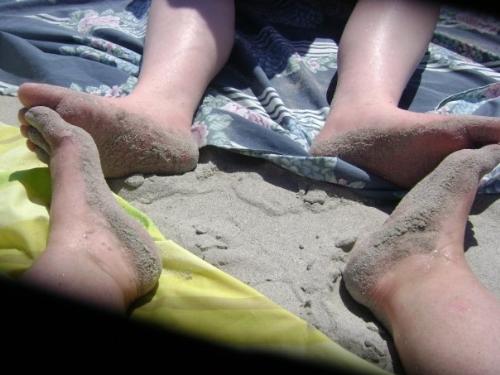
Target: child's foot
x,y
424,234
401,146
131,137
95,251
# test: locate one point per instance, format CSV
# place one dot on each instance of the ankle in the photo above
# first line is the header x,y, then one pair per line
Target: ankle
x,y
412,280
344,118
166,113
164,100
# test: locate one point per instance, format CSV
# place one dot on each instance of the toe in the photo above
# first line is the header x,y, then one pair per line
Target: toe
x,y
40,154
24,130
37,139
490,157
48,123
31,146
476,162
35,94
20,116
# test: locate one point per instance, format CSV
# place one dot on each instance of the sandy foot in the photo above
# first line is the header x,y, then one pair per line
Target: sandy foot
x,y
426,227
87,227
130,138
401,146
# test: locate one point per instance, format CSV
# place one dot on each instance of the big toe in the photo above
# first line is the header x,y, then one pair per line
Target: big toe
x,y
473,162
490,157
39,94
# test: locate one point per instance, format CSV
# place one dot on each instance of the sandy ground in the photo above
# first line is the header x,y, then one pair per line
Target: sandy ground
x,y
287,236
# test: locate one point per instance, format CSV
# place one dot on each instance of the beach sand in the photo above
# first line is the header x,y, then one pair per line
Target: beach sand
x,y
286,236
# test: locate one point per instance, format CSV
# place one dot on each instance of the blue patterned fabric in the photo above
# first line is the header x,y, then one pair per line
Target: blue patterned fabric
x,y
273,96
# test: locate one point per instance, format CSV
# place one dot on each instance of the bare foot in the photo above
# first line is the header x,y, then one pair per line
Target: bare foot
x,y
95,251
424,234
401,146
131,137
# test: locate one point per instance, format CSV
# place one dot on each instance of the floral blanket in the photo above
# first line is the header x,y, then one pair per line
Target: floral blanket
x,y
273,96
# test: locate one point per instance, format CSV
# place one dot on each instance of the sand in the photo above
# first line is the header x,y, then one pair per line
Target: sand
x,y
287,236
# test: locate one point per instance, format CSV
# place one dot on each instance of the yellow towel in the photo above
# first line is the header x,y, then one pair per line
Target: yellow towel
x,y
192,296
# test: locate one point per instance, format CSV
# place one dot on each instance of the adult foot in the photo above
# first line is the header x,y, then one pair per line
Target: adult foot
x,y
131,136
424,235
95,251
401,146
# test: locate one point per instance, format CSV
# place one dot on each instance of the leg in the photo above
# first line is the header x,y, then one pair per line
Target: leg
x,y
95,252
381,45
413,275
187,43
